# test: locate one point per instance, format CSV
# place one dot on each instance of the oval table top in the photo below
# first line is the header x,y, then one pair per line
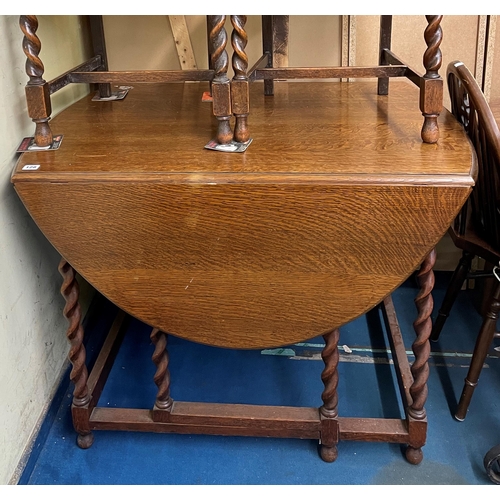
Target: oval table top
x,y
334,204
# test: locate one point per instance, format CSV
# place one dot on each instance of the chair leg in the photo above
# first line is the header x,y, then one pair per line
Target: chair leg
x,y
483,343
454,287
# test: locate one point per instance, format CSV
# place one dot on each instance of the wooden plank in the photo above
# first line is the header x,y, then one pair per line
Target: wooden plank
x,y
384,43
351,429
241,415
127,419
182,42
64,79
250,178
99,46
280,41
330,72
386,430
220,411
275,45
405,378
155,76
411,74
107,355
98,40
262,62
267,48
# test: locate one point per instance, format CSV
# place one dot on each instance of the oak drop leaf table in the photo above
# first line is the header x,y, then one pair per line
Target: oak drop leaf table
x,y
335,203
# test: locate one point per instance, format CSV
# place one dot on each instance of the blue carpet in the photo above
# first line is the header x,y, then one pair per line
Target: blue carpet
x,y
290,376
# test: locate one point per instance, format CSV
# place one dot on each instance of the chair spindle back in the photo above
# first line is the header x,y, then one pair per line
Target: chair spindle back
x,y
471,109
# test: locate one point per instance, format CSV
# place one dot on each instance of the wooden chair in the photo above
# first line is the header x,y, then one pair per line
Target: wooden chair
x,y
476,230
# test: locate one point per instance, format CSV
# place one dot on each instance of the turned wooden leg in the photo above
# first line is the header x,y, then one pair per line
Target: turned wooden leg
x,y
79,374
239,86
329,411
164,402
420,368
37,89
221,91
483,343
457,280
431,85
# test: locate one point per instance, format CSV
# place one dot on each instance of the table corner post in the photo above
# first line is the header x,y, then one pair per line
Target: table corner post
x,y
417,417
329,410
80,407
431,84
37,89
163,403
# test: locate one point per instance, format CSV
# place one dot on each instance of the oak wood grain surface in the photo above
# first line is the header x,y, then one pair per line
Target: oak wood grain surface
x,y
335,203
313,127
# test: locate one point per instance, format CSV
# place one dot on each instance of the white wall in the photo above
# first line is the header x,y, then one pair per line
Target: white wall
x,y
33,346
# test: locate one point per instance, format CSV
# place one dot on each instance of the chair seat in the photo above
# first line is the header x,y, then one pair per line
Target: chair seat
x,y
472,243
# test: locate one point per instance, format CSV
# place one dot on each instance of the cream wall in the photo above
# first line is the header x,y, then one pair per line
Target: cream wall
x,y
460,35
33,346
146,42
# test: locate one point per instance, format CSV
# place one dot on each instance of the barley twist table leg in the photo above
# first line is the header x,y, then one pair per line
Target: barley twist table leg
x,y
329,411
79,374
221,92
37,89
431,90
239,85
421,349
162,375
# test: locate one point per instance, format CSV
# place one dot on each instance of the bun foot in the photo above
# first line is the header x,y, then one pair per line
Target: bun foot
x,y
414,455
328,453
85,441
430,129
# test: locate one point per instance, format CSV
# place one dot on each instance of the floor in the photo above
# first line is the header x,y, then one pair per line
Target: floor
x,y
453,454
